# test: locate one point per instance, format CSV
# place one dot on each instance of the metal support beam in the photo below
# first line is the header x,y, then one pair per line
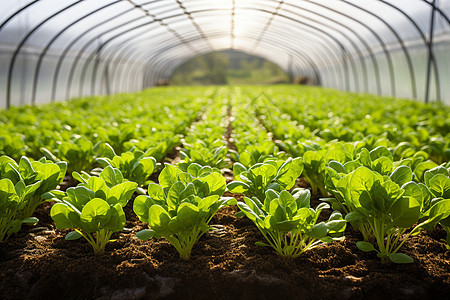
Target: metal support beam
x,y
430,52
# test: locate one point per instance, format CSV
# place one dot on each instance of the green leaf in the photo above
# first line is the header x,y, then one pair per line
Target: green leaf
x,y
422,167
168,176
95,212
30,220
99,187
405,212
289,172
122,193
174,195
145,234
156,192
400,258
237,187
287,201
248,212
238,169
60,214
379,152
141,207
262,244
109,176
159,220
72,236
413,190
194,169
303,197
432,172
319,230
354,216
439,211
439,186
402,175
216,183
188,215
338,167
383,165
365,246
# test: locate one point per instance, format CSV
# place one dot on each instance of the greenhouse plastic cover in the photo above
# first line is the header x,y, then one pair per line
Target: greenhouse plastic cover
x,y
54,50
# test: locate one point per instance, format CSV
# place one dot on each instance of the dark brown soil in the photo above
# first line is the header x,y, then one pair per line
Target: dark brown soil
x,y
37,263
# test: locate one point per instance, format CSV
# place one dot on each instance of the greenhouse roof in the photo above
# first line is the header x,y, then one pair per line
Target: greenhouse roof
x,y
53,50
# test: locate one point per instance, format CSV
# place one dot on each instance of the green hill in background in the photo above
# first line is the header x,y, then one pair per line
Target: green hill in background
x,y
228,67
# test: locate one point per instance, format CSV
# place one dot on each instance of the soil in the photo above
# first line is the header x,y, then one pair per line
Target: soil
x,y
38,263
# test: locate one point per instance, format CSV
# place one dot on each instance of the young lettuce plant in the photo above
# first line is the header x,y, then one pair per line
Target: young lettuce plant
x,y
181,206
379,205
277,175
436,188
12,200
256,153
93,210
339,185
135,166
315,161
314,165
37,177
288,222
79,153
216,158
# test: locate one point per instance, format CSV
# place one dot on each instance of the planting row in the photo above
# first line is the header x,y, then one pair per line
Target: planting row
x,y
385,174
181,205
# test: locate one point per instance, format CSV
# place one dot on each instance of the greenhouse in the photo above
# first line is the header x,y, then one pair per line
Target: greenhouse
x,y
226,149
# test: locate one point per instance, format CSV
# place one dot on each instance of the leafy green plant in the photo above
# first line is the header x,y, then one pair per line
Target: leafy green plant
x,y
215,158
135,166
157,145
79,153
12,201
288,222
12,145
36,178
314,166
439,149
181,206
379,207
315,161
277,175
256,153
437,183
93,209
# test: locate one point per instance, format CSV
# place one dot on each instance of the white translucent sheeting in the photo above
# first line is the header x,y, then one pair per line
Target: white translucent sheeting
x,y
56,50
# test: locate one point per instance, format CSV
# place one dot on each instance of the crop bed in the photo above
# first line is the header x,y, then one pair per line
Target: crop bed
x,y
220,127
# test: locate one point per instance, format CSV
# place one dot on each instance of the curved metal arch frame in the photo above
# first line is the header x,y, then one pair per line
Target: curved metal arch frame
x,y
154,56
172,16
47,47
117,53
378,38
80,53
424,39
157,59
22,43
399,39
27,6
350,40
402,45
341,46
342,34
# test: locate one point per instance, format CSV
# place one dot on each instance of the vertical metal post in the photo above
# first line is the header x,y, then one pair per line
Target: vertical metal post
x,y
430,52
290,72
